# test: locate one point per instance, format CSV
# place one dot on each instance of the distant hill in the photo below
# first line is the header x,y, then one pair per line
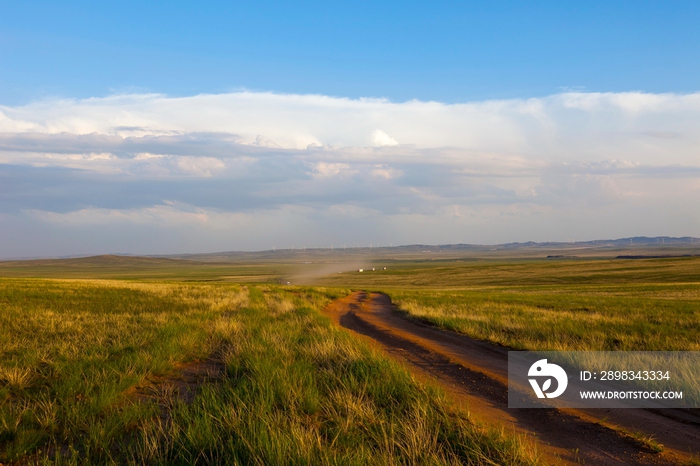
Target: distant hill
x,y
658,246
607,247
107,260
307,264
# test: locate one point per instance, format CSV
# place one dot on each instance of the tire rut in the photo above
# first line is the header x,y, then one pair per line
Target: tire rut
x,y
474,373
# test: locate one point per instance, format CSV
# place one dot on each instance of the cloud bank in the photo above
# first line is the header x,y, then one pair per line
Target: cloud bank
x,y
157,174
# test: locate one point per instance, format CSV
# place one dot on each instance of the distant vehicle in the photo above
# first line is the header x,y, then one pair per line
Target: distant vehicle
x,y
384,268
372,269
360,270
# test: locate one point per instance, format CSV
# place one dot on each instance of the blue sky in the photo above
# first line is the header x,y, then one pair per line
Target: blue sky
x,y
171,127
444,51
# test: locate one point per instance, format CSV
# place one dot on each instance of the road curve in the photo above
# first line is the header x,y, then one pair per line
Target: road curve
x,y
474,372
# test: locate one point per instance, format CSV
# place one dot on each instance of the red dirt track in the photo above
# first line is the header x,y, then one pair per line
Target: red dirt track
x,y
474,373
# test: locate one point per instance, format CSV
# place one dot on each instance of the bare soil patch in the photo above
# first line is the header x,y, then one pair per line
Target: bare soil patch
x,y
182,384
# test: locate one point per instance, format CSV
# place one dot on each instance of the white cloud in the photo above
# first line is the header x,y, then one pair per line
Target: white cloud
x,y
386,172
565,126
324,169
461,173
381,139
168,214
199,166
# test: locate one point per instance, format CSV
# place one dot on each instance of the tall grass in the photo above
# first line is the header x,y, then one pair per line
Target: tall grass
x,y
69,350
652,317
294,390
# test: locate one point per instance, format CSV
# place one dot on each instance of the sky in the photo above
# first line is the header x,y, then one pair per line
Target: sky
x,y
172,127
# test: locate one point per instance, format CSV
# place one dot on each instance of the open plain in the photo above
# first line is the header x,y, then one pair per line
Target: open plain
x,y
216,360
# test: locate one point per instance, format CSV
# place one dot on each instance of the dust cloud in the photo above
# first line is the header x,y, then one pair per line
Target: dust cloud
x,y
309,273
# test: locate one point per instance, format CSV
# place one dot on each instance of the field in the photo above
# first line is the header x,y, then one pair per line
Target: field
x,y
105,372
552,305
116,360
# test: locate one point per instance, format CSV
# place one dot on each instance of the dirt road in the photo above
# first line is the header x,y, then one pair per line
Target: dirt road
x,y
474,373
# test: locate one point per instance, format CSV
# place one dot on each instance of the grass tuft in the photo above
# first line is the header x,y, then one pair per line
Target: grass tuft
x,y
16,378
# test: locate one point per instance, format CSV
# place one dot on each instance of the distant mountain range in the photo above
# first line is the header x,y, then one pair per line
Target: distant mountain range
x,y
608,246
656,246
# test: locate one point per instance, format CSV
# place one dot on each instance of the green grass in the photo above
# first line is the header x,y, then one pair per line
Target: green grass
x,y
469,274
660,317
76,356
570,305
647,440
294,390
551,304
145,268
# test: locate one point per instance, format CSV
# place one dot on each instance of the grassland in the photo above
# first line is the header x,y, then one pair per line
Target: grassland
x,y
146,269
552,304
88,373
474,273
90,369
602,318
